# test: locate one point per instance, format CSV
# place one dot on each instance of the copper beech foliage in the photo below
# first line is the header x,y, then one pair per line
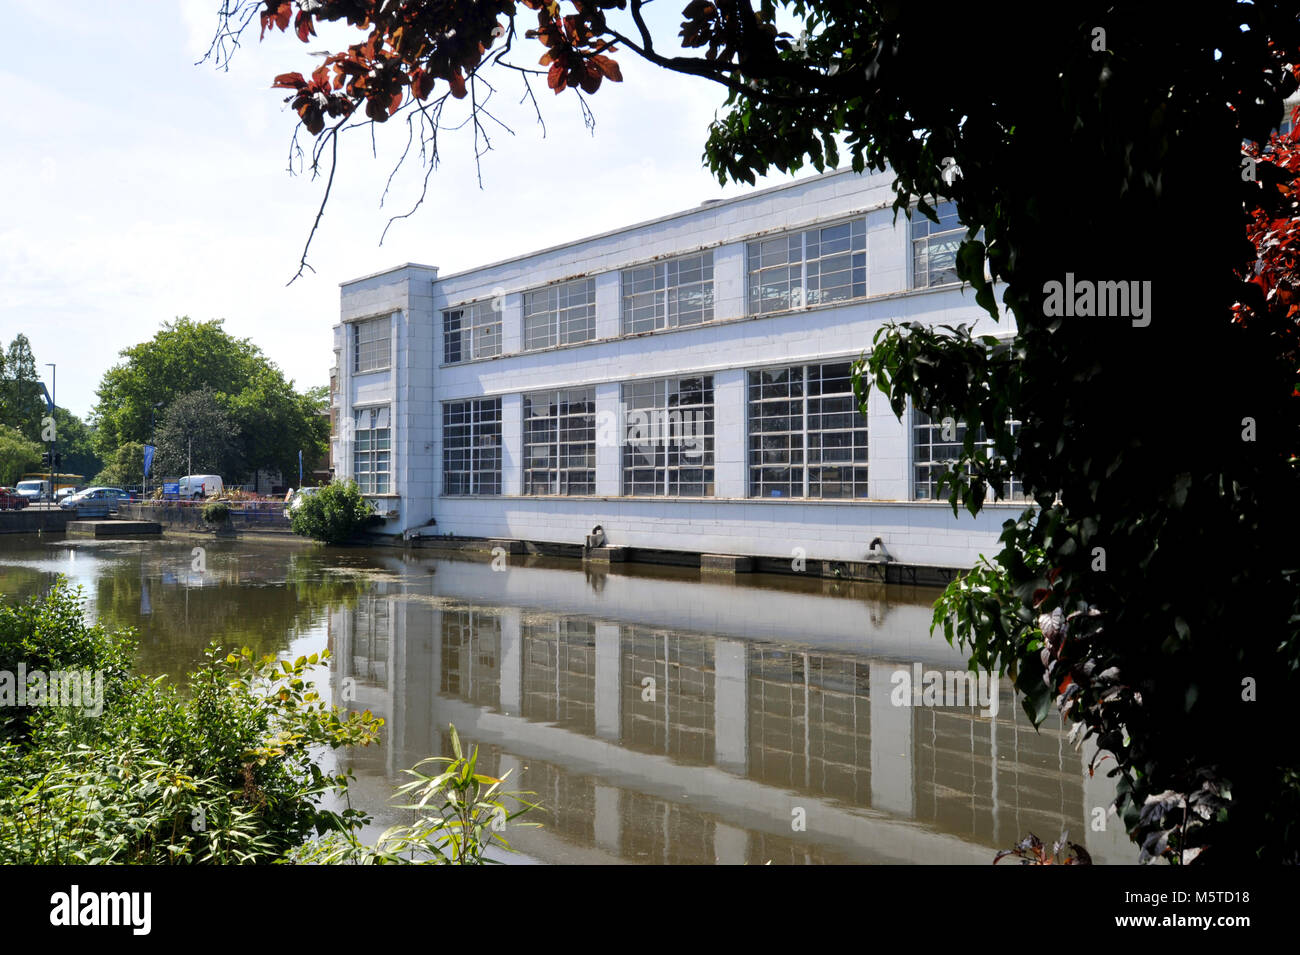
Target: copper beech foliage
x,y
414,46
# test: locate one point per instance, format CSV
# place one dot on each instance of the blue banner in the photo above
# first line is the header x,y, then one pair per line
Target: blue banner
x,y
300,468
148,459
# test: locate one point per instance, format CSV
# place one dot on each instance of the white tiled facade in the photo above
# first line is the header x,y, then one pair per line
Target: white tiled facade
x,y
417,384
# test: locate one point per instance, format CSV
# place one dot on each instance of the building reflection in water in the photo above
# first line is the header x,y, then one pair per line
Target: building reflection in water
x,y
671,746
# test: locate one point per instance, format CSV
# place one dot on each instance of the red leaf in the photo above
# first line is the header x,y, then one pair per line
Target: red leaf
x,y
457,83
421,84
591,77
555,77
305,26
608,67
289,81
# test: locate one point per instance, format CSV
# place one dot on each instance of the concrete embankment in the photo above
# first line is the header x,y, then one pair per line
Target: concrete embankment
x,y
34,520
264,519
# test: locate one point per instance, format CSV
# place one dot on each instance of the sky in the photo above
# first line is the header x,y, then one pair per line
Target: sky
x,y
139,186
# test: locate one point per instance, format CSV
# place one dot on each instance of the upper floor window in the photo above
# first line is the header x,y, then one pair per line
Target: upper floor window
x,y
934,246
560,314
816,267
807,437
935,443
372,451
471,446
471,331
370,348
668,294
560,442
668,437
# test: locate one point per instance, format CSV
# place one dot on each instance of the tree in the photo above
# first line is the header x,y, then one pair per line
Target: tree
x,y
125,467
17,456
21,404
76,444
276,422
1145,593
185,356
198,435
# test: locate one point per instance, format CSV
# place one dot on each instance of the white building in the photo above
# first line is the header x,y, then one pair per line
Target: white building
x,y
683,383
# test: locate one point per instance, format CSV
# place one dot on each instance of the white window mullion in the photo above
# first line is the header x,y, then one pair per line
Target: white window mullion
x,y
803,390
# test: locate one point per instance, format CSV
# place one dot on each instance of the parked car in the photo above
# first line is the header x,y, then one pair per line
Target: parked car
x,y
11,500
34,490
65,492
94,501
296,498
194,487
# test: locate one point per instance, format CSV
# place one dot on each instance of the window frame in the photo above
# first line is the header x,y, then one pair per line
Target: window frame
x,y
798,295
357,343
475,449
803,453
936,466
559,473
469,334
932,234
561,316
667,464
367,450
666,293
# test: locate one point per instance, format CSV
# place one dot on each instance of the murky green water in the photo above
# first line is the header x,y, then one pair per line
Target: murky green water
x,y
659,717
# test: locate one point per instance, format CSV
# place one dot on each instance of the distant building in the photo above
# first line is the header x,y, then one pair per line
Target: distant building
x,y
684,383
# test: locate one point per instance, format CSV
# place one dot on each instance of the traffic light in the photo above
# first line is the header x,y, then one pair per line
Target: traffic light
x,y
45,459
58,460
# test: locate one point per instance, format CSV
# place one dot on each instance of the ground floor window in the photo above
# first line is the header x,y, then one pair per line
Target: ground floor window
x,y
560,442
372,451
936,442
471,446
668,437
807,437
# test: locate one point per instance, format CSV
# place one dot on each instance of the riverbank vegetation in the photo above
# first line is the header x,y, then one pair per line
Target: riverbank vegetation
x,y
334,515
222,769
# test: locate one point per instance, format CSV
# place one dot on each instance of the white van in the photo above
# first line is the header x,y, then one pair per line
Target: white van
x,y
195,486
34,490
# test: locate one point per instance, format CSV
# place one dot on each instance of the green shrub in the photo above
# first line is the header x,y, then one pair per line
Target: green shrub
x,y
334,514
216,512
222,772
462,815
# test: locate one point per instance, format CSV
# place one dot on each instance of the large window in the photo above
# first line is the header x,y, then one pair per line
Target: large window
x,y
559,314
806,435
471,446
370,345
471,331
372,451
668,294
560,442
816,267
668,437
935,443
934,246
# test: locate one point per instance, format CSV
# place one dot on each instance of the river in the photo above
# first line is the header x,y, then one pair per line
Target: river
x,y
660,717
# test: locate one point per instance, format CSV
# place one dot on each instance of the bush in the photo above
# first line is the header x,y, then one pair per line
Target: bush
x,y
216,512
334,514
221,771
461,816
